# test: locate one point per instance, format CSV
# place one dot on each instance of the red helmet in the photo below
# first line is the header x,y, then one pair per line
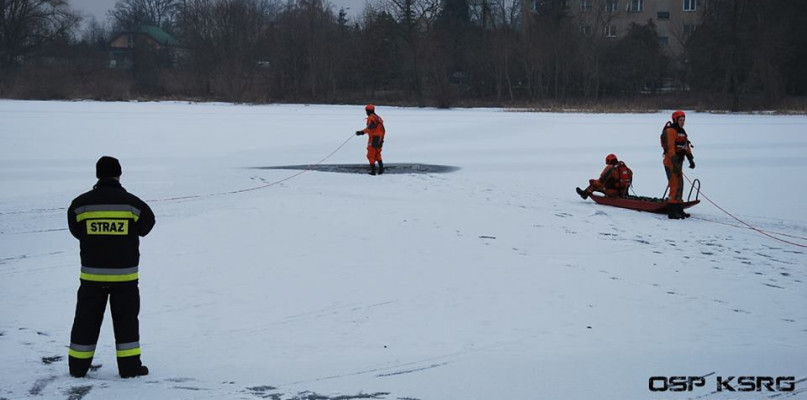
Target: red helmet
x,y
677,114
369,107
610,159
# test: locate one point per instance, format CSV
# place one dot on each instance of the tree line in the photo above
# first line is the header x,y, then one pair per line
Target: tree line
x,y
744,54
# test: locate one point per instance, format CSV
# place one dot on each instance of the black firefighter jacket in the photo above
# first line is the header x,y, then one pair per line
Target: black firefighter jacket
x,y
108,222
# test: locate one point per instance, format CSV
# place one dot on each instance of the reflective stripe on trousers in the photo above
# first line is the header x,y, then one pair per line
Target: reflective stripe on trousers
x,y
127,349
109,274
82,351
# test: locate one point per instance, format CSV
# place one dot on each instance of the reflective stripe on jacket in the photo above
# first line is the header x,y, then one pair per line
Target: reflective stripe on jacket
x,y
108,222
674,141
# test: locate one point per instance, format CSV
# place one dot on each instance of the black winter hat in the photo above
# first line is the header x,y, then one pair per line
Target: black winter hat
x,y
107,167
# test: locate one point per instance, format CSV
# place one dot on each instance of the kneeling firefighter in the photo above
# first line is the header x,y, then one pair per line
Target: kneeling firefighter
x,y
614,180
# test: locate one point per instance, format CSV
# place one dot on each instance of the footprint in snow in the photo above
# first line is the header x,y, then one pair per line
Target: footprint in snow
x,y
78,392
773,286
519,251
51,360
178,380
40,385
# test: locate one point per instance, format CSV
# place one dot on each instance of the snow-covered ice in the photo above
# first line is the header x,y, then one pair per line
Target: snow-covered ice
x,y
495,281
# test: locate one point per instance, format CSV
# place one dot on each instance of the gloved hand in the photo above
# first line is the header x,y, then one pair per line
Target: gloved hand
x,y
691,163
359,133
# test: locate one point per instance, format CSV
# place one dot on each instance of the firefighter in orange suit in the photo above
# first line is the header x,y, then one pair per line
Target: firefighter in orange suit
x,y
375,140
614,180
108,221
676,146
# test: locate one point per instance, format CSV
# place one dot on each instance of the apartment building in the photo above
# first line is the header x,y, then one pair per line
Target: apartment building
x,y
675,20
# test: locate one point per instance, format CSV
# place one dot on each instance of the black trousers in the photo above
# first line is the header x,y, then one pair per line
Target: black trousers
x,y
124,301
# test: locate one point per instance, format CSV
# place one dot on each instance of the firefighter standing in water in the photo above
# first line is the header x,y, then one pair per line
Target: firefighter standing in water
x,y
676,146
108,222
375,141
614,180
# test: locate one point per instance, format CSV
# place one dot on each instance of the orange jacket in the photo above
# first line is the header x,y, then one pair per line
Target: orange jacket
x,y
375,131
675,143
610,177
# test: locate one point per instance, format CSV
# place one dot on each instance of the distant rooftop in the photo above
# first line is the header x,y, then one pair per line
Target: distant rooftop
x,y
162,37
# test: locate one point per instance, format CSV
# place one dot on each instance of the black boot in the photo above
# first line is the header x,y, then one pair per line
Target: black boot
x,y
380,167
671,214
582,193
79,366
681,211
675,211
372,169
139,371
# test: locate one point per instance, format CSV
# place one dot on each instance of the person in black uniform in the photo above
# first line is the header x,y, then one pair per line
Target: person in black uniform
x,y
108,222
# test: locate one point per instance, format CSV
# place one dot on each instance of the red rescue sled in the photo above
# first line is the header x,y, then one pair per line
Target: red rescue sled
x,y
648,204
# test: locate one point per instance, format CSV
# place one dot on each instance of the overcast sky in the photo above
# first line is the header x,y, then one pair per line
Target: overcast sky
x,y
99,8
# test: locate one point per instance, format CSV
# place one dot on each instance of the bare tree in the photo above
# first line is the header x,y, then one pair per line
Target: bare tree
x,y
222,38
508,13
414,15
415,20
551,48
27,25
129,14
95,33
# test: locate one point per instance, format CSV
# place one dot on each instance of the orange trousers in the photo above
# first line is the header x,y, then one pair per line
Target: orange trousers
x,y
675,178
373,154
594,185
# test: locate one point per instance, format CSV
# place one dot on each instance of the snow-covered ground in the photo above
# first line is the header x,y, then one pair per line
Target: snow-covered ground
x,y
495,281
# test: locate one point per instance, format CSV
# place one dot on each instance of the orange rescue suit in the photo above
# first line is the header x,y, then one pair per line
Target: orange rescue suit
x,y
375,137
608,183
675,144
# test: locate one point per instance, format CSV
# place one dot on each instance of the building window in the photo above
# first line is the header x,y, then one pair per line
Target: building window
x,y
586,5
539,6
664,40
635,5
585,30
611,5
690,5
688,29
663,15
610,31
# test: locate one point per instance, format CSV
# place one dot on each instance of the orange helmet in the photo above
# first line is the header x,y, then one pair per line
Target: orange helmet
x,y
677,114
369,107
610,159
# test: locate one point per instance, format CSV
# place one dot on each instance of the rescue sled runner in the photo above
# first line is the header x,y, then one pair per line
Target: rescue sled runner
x,y
648,204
